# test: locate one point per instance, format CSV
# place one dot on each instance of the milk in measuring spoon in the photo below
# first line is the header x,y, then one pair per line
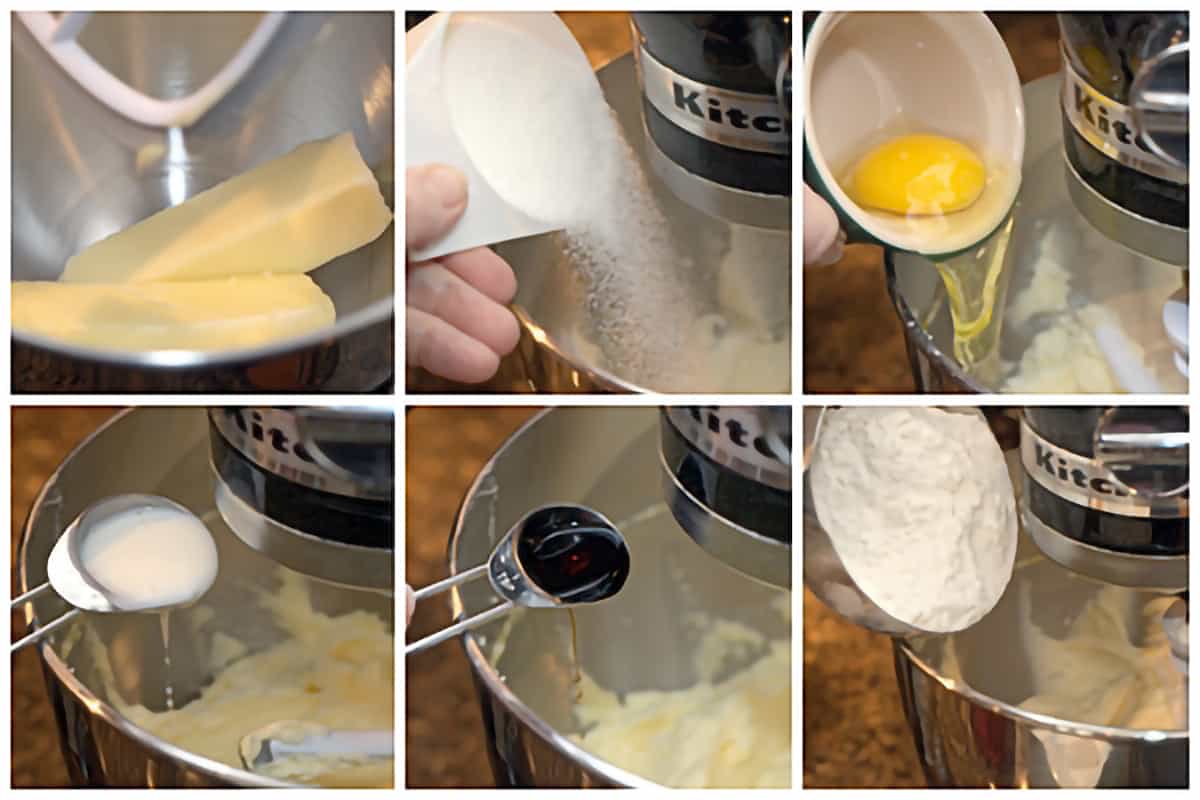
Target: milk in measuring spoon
x,y
148,558
937,195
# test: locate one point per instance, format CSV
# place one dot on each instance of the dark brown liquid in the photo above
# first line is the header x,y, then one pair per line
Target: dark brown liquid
x,y
577,677
575,557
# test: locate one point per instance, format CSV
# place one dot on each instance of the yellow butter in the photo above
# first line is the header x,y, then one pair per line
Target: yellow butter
x,y
222,314
289,215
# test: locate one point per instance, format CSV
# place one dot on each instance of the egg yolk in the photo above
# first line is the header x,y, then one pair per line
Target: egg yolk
x,y
922,175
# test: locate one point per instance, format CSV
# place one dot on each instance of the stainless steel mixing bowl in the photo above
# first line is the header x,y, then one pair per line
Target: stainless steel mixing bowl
x,y
965,718
606,458
81,173
1048,229
159,451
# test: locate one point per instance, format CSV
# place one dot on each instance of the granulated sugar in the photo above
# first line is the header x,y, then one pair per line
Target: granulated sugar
x,y
918,504
558,153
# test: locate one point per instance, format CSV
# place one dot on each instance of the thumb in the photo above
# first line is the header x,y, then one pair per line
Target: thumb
x,y
410,603
823,237
435,198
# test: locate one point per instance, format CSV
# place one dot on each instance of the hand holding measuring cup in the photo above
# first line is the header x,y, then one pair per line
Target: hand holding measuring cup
x,y
456,323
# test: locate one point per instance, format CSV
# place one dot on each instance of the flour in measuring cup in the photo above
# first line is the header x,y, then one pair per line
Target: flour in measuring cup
x,y
918,504
538,128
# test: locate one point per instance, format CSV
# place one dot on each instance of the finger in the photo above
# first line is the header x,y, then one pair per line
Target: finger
x,y
486,271
437,346
435,197
411,602
434,289
823,238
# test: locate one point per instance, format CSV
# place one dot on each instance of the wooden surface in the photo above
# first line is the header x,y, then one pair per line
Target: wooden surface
x,y
443,735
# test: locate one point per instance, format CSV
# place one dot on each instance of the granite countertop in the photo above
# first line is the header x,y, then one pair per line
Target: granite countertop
x,y
41,439
853,341
444,740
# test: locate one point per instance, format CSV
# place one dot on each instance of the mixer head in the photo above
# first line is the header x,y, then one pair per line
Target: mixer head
x,y
1125,127
716,105
311,488
1106,491
727,481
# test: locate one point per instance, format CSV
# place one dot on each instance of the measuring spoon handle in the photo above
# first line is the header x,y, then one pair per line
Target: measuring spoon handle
x,y
448,583
482,618
38,633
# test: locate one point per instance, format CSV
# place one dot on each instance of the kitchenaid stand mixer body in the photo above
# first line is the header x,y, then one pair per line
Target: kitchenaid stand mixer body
x,y
1104,194
617,462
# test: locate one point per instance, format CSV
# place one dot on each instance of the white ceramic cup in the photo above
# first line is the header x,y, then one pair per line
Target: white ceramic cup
x,y
871,75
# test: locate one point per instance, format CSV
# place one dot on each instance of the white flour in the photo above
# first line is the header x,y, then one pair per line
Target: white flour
x,y
917,502
557,152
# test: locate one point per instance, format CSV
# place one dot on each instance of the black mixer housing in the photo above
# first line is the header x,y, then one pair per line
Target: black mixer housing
x,y
1109,522
730,78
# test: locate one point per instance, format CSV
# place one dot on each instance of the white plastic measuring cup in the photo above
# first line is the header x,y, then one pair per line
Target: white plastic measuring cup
x,y
430,128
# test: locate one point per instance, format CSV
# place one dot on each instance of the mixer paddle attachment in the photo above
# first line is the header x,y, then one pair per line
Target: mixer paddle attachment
x,y
554,557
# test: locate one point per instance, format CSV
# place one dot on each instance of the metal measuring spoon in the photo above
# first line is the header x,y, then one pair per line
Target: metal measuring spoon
x,y
554,557
68,577
286,739
824,573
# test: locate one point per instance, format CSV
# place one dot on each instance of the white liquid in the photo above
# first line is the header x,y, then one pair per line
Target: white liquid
x,y
148,558
164,622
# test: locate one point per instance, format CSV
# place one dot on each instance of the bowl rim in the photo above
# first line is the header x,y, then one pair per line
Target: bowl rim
x,y
1026,718
376,312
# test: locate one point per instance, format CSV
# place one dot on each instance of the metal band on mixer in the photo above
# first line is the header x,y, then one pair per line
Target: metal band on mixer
x,y
1088,482
272,439
738,438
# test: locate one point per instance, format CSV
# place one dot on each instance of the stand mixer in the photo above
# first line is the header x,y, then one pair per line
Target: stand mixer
x,y
1109,133
311,488
1125,109
1106,492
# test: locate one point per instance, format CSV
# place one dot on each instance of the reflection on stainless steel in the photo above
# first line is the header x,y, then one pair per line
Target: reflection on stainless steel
x,y
81,172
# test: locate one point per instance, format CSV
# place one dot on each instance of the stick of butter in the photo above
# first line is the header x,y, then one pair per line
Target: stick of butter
x,y
289,215
222,314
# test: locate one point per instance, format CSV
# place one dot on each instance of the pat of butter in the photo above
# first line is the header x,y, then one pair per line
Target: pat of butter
x,y
230,313
289,215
